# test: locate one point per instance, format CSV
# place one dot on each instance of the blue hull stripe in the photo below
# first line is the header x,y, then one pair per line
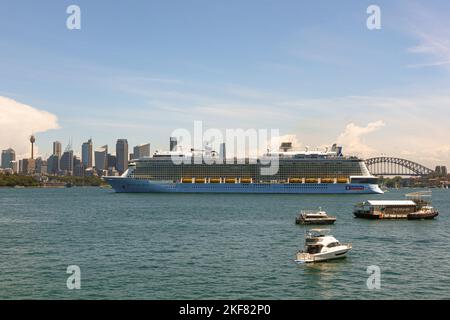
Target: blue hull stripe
x,y
131,185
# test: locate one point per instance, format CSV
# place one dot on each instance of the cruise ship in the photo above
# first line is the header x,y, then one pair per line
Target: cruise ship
x,y
309,171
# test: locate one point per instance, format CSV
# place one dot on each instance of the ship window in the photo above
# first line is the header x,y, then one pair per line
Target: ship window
x,y
333,244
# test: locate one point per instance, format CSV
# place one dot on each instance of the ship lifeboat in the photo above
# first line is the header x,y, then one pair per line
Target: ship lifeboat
x,y
311,180
295,180
214,180
246,180
186,180
230,180
200,180
342,180
327,180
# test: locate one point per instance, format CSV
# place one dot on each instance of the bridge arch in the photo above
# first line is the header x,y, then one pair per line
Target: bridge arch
x,y
391,166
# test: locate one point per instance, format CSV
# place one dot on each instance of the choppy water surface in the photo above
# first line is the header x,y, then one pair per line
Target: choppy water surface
x,y
206,246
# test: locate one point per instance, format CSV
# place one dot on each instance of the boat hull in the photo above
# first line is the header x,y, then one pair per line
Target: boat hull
x,y
423,216
408,216
321,257
131,185
308,221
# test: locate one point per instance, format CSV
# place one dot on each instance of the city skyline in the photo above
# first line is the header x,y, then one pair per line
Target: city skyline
x,y
313,70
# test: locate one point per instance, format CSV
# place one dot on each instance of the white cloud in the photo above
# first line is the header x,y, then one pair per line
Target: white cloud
x,y
351,138
18,121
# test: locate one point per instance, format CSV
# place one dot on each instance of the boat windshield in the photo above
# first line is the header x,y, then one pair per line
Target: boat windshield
x,y
313,233
313,249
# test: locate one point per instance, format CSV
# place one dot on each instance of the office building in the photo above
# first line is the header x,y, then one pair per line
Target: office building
x,y
8,156
111,161
66,162
53,164
86,153
57,149
122,155
101,158
41,166
28,166
142,151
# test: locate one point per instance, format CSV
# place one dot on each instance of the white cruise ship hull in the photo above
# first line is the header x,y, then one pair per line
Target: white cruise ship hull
x,y
132,185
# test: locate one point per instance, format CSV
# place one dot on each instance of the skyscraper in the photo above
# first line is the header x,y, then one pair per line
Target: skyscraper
x,y
101,158
141,151
66,162
53,164
8,156
57,148
173,144
122,155
28,166
86,154
111,161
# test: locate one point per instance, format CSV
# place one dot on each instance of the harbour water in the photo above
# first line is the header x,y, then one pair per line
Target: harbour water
x,y
210,246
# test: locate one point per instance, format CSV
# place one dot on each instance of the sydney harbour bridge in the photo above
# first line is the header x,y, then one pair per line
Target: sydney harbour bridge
x,y
390,166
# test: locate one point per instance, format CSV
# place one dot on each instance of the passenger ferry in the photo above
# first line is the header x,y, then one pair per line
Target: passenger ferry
x,y
319,172
416,207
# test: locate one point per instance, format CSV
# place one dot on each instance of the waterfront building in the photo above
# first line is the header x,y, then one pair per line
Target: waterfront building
x,y
122,155
57,148
15,166
141,151
8,156
437,170
112,172
86,153
90,172
440,171
66,162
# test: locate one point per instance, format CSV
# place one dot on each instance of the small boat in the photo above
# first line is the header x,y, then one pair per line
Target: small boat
x,y
320,246
314,217
417,207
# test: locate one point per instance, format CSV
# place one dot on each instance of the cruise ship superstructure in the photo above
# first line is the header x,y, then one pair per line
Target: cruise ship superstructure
x,y
305,171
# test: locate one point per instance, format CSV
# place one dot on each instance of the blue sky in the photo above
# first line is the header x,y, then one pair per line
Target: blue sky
x,y
141,69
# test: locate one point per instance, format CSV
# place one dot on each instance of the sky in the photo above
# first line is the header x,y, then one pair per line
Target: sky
x,y
312,69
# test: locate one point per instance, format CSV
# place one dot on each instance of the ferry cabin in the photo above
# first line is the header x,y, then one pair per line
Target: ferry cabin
x,y
385,209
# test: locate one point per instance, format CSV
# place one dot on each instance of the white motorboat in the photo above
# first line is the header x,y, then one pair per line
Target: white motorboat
x,y
320,246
